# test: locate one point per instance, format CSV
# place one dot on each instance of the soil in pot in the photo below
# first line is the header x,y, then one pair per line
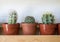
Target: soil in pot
x,y
47,29
10,29
28,28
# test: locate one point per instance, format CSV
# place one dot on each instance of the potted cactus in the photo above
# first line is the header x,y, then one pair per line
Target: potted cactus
x,y
29,26
11,28
48,26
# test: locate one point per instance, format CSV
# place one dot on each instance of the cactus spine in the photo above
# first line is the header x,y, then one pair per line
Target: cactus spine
x,y
29,19
48,18
12,17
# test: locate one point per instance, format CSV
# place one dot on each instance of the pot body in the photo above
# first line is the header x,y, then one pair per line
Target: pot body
x,y
58,28
47,29
29,28
10,29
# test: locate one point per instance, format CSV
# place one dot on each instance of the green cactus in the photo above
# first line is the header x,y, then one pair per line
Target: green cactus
x,y
48,18
12,17
29,19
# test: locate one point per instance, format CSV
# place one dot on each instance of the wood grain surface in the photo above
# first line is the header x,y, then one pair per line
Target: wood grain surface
x,y
29,38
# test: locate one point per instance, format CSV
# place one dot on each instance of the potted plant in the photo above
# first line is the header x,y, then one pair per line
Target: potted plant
x,y
29,26
48,26
11,28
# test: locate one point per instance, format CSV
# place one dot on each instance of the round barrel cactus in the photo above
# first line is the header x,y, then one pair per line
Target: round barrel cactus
x,y
12,17
48,18
29,19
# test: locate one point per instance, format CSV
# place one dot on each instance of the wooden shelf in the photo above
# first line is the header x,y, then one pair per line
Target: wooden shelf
x,y
29,38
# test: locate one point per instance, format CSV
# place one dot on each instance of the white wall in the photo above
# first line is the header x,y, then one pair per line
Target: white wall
x,y
29,8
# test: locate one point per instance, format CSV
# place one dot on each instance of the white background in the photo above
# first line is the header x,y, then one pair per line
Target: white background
x,y
24,8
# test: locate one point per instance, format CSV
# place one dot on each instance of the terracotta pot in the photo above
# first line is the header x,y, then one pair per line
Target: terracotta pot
x,y
10,29
58,28
29,28
47,29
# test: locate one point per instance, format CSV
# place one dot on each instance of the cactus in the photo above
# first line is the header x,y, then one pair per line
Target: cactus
x,y
12,17
29,19
48,18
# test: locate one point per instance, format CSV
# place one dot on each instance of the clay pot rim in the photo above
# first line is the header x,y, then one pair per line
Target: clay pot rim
x,y
10,24
47,24
58,23
28,23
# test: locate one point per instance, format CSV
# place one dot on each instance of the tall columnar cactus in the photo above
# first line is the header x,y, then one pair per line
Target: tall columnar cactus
x,y
29,19
48,18
12,17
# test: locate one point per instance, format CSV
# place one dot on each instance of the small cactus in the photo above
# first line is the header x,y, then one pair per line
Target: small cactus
x,y
29,19
12,17
48,18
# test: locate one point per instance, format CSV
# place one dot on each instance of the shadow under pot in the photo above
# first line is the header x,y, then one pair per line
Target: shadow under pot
x,y
10,29
47,29
28,28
